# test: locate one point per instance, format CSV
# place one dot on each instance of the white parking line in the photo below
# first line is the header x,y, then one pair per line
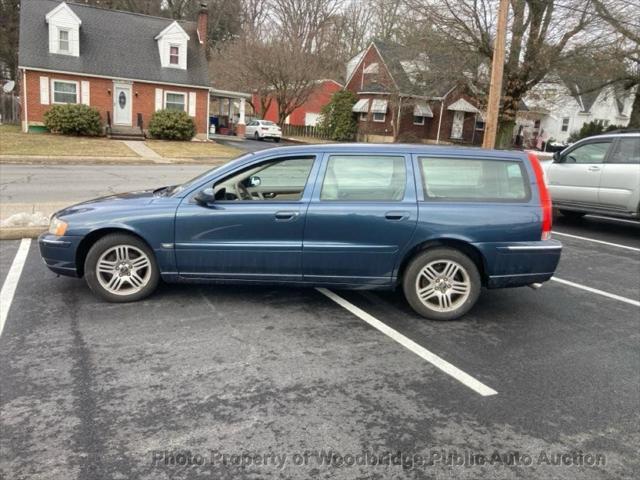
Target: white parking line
x,y
632,222
422,352
11,282
599,292
635,249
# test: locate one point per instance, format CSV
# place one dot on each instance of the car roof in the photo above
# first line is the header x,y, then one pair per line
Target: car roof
x,y
396,148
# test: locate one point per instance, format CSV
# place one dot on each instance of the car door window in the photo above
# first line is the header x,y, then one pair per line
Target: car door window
x,y
275,180
364,178
589,153
627,150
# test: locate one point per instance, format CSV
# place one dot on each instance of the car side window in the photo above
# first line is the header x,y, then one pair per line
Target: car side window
x,y
364,178
473,179
274,180
589,153
627,150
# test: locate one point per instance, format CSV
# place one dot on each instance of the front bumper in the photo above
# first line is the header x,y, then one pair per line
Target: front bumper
x,y
516,264
59,253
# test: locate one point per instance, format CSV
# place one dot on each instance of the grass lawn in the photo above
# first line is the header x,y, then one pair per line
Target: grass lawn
x,y
14,142
170,149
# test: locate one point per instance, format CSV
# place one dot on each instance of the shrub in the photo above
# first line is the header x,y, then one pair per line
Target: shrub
x,y
172,125
338,120
73,119
592,128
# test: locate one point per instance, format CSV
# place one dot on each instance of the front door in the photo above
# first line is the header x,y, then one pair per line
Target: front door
x,y
122,104
458,124
361,216
253,230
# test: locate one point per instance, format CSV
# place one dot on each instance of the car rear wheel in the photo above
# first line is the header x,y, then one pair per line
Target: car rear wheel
x,y
442,284
121,268
572,214
277,140
256,136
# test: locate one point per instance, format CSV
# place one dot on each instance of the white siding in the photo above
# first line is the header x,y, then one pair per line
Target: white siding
x,y
44,90
159,99
84,89
192,104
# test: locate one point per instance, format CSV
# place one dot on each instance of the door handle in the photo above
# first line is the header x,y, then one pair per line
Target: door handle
x,y
396,216
285,216
594,169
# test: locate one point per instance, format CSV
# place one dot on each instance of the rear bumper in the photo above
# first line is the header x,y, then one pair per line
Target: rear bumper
x,y
516,264
59,253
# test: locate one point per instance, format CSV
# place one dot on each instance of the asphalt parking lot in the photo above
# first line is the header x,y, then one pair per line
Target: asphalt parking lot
x,y
224,382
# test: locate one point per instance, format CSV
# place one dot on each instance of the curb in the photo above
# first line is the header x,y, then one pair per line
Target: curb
x,y
17,233
133,161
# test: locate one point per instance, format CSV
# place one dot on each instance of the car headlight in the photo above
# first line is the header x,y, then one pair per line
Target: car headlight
x,y
57,227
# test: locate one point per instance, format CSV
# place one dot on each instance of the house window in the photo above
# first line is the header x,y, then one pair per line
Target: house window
x,y
479,125
565,124
379,117
174,55
63,41
364,116
418,120
65,92
175,101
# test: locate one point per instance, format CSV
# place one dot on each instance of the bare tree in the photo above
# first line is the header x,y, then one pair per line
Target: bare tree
x,y
623,17
303,23
543,35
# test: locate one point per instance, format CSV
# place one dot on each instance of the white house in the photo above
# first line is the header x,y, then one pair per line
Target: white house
x,y
557,108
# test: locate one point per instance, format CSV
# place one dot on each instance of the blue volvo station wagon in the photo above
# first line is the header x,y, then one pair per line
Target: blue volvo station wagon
x,y
440,222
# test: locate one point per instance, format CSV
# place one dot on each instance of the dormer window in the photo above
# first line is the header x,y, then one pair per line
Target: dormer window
x,y
63,41
172,46
174,55
64,30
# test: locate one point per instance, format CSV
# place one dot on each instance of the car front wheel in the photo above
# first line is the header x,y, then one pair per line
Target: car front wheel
x,y
442,284
121,268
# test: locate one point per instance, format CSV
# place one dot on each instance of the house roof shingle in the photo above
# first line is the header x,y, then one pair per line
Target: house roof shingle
x,y
112,44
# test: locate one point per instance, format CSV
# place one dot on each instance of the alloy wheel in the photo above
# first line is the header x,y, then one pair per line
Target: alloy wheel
x,y
443,285
123,270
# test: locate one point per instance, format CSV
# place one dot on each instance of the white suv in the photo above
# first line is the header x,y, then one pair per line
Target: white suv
x,y
598,174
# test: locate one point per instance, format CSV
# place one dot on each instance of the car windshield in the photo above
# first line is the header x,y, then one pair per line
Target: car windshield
x,y
194,181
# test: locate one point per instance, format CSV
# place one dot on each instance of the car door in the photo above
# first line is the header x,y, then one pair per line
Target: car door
x,y
250,128
253,229
575,178
620,181
362,214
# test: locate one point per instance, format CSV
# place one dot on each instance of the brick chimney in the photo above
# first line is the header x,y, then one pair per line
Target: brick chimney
x,y
203,19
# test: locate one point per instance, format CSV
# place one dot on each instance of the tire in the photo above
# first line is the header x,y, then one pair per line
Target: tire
x,y
571,214
130,259
256,136
277,140
438,261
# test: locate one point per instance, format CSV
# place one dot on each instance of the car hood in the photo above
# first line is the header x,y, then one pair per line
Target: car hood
x,y
119,200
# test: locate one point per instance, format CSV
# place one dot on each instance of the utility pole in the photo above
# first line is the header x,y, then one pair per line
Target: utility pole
x,y
495,87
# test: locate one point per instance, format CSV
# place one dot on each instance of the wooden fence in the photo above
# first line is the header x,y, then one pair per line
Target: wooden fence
x,y
9,108
304,131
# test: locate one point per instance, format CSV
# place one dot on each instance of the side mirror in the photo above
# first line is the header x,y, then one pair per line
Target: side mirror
x,y
556,157
205,197
254,181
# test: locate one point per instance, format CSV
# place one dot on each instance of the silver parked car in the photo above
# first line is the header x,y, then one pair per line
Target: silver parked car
x,y
599,175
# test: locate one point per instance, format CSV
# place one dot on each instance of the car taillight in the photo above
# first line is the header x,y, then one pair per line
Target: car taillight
x,y
543,193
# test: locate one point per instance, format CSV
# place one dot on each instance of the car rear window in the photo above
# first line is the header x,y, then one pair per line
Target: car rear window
x,y
364,178
474,179
627,150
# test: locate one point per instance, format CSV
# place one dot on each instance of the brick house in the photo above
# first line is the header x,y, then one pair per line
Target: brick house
x,y
394,100
308,113
126,65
